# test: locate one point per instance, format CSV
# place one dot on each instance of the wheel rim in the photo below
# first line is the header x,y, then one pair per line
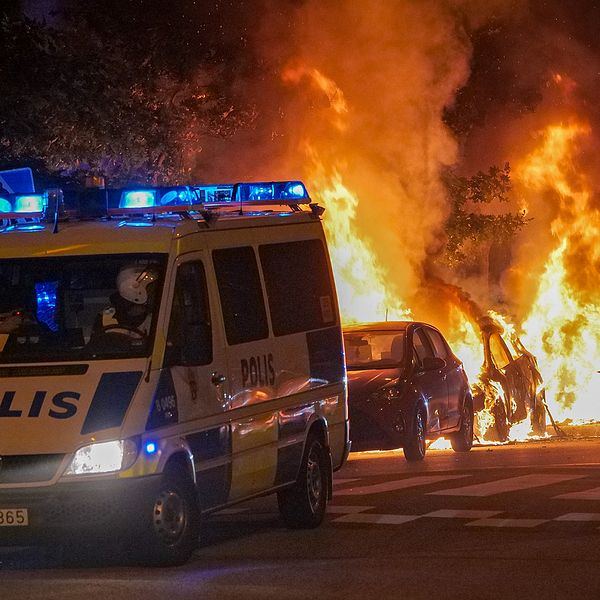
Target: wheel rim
x,y
420,432
314,480
170,516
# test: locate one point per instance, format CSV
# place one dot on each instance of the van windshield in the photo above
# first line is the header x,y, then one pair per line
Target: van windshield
x,y
78,307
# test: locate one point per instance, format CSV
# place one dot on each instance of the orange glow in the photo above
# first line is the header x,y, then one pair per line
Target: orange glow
x,y
563,324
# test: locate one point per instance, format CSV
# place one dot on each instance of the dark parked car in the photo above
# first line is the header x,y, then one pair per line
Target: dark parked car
x,y
511,387
405,385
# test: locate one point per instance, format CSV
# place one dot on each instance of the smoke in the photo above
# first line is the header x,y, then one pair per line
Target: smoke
x,y
360,100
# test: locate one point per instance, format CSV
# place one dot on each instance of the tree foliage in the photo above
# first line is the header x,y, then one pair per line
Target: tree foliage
x,y
76,102
467,223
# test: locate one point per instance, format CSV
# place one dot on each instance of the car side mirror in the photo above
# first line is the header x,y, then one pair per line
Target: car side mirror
x,y
433,363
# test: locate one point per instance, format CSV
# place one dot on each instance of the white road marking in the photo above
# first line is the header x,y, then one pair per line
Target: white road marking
x,y
579,517
591,494
347,510
343,481
398,484
512,484
377,519
449,513
506,523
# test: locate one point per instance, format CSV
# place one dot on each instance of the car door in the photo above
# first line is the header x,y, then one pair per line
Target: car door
x,y
454,377
431,383
514,382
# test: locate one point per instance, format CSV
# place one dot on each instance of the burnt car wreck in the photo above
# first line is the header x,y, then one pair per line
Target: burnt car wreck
x,y
510,388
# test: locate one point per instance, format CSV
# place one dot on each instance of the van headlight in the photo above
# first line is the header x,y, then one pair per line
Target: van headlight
x,y
103,457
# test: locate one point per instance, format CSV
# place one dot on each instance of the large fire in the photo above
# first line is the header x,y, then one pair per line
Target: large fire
x,y
375,165
563,324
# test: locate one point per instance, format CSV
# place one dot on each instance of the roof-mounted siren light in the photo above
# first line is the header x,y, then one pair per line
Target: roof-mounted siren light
x,y
20,206
153,201
276,192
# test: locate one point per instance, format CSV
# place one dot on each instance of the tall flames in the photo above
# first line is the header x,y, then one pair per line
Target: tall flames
x,y
562,326
373,143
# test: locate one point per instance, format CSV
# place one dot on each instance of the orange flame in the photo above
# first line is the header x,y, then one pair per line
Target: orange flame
x,y
563,325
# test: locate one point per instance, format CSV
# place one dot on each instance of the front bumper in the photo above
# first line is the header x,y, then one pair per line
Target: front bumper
x,y
376,429
81,509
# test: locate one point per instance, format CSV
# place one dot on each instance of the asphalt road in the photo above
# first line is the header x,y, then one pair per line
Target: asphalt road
x,y
515,521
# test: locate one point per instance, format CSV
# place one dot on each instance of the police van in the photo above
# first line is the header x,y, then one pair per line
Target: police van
x,y
165,353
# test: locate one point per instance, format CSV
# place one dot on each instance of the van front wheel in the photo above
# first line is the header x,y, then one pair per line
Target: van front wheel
x,y
303,505
171,532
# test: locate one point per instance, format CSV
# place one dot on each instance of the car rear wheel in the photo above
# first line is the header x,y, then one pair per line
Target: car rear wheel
x,y
462,440
415,445
303,505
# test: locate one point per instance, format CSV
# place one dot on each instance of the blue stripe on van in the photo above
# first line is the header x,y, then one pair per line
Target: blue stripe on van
x,y
164,409
111,400
213,484
325,354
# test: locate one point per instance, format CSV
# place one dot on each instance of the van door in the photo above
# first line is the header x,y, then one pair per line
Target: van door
x,y
251,369
193,384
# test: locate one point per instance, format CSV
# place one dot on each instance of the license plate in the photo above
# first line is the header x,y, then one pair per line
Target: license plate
x,y
14,517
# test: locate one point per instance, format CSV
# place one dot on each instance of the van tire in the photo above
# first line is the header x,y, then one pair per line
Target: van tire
x,y
303,505
171,520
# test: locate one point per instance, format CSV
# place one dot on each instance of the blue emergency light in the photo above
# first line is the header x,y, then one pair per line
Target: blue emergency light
x,y
199,197
21,206
151,201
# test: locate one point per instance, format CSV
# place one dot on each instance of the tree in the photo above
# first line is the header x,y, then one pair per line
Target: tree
x,y
466,223
77,102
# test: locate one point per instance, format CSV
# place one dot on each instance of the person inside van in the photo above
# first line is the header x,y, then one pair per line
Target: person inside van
x,y
130,313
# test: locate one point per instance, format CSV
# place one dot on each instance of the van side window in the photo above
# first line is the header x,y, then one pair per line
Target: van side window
x,y
241,294
298,286
189,340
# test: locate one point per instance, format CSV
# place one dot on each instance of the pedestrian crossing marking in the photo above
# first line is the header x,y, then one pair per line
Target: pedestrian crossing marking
x,y
591,494
344,481
506,522
398,484
450,513
579,517
377,519
347,510
512,484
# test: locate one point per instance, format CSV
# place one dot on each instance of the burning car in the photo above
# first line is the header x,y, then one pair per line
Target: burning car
x,y
405,385
510,387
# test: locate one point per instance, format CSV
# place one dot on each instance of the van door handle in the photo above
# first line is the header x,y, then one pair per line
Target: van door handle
x,y
217,378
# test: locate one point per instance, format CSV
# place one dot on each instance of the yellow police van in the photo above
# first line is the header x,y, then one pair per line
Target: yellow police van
x,y
165,353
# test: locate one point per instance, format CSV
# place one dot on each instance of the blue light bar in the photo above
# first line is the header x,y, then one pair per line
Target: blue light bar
x,y
31,203
137,199
198,197
22,205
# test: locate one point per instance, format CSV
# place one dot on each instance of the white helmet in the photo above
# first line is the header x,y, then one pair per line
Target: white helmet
x,y
133,281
